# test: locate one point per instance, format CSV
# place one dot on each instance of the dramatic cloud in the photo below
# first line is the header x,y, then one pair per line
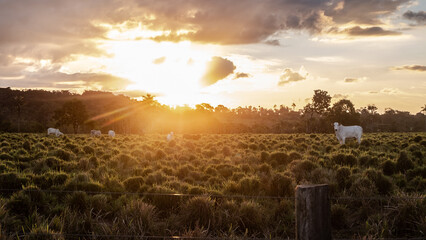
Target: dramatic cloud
x,y
419,17
419,68
365,32
217,69
255,21
289,76
159,60
365,12
241,75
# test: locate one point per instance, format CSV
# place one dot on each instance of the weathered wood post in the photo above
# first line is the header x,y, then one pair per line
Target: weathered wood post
x,y
312,212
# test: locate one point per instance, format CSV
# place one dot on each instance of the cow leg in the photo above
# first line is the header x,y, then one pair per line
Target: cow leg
x,y
343,140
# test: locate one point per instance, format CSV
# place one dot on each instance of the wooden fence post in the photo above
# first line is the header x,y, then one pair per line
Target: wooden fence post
x,y
312,212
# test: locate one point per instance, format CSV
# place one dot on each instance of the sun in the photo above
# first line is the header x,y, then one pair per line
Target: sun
x,y
169,70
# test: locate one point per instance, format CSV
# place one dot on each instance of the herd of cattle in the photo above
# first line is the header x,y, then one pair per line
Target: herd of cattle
x,y
93,133
342,132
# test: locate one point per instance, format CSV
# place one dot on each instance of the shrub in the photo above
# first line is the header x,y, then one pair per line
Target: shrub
x,y
160,154
343,178
12,181
5,156
138,217
281,186
27,146
342,159
132,184
280,157
389,167
251,217
88,150
164,203
338,216
249,186
78,201
404,163
294,156
198,211
226,151
61,154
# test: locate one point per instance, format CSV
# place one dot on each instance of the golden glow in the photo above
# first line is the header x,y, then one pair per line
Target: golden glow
x,y
173,78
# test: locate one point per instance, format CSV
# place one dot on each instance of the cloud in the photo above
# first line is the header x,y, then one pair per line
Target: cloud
x,y
217,69
364,32
256,21
289,76
340,96
159,60
354,80
52,78
273,42
391,91
241,75
419,68
326,59
419,17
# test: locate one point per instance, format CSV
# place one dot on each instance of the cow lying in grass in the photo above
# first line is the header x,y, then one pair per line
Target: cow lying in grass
x,y
343,132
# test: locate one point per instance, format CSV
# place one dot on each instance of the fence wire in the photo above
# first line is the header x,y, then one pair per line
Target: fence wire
x,y
377,197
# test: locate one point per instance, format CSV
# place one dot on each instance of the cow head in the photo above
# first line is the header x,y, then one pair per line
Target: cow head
x,y
336,126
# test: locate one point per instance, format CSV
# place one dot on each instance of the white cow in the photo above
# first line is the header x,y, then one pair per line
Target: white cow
x,y
54,131
111,133
170,136
95,133
343,132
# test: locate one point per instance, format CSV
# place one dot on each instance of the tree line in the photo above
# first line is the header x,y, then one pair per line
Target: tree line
x,y
37,110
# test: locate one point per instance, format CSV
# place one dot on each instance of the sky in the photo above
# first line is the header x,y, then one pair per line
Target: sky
x,y
235,53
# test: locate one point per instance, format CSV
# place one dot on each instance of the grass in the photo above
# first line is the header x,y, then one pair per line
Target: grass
x,y
63,185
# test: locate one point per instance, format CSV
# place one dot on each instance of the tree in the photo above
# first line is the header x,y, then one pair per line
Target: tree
x,y
320,106
71,113
344,112
423,109
321,102
18,100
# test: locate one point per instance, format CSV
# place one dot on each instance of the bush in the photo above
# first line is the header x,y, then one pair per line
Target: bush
x,y
280,157
404,163
338,216
251,217
78,201
138,218
389,167
281,186
198,211
249,186
132,184
343,178
88,150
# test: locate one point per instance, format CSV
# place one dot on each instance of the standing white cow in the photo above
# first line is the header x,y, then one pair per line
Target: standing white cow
x,y
111,133
95,133
54,131
343,132
170,136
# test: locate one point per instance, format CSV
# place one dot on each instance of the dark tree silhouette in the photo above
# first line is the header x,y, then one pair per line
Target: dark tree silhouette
x,y
18,100
344,112
72,113
318,109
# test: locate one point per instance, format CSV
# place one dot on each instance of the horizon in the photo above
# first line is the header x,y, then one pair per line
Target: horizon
x,y
247,53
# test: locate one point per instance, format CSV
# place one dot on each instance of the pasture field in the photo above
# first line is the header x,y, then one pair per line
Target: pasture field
x,y
65,187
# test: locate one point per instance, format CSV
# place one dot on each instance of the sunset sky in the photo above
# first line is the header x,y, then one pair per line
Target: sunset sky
x,y
230,52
